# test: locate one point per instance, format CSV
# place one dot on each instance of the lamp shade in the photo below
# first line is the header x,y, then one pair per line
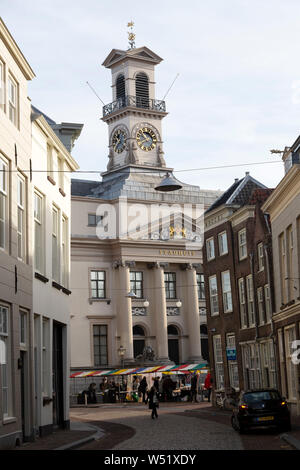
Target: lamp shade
x,y
168,183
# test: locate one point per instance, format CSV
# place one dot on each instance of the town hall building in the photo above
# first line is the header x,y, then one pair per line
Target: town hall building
x,y
136,257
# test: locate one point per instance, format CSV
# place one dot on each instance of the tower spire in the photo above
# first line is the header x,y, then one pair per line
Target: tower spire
x,y
131,35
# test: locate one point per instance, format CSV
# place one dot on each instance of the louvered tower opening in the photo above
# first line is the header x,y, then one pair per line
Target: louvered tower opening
x,y
120,86
142,90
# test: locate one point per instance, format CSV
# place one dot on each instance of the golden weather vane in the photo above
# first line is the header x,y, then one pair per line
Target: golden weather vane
x,y
131,35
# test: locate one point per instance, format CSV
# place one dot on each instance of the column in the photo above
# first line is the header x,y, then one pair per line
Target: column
x,y
192,312
124,313
161,329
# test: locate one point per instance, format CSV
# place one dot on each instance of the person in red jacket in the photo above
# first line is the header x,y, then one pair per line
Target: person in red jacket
x,y
207,384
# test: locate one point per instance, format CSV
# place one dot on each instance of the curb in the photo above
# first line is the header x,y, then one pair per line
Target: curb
x,y
76,444
291,440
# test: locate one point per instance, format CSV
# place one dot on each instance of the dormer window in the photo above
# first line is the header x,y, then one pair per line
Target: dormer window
x,y
142,90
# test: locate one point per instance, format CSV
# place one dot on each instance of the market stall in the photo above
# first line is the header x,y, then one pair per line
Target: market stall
x,y
122,384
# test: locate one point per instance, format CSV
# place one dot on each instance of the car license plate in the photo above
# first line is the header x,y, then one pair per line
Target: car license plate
x,y
265,418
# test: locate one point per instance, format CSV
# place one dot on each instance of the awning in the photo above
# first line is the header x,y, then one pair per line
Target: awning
x,y
139,370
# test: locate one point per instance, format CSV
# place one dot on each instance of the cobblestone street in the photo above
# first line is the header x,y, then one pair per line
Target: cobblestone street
x,y
178,427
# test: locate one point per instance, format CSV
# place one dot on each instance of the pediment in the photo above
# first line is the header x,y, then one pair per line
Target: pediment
x,y
140,53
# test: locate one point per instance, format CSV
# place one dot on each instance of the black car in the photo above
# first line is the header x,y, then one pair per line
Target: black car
x,y
257,408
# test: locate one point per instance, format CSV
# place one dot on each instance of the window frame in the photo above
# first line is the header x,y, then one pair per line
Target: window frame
x,y
97,281
168,283
106,362
260,257
214,296
210,253
243,303
227,293
4,192
250,300
134,282
220,243
242,246
13,106
21,207
200,286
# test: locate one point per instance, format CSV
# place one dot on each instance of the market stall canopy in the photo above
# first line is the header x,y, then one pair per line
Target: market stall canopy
x,y
140,370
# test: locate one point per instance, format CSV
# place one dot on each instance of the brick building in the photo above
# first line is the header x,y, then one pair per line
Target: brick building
x,y
237,261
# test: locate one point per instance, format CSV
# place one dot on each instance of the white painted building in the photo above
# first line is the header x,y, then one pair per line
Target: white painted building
x,y
51,165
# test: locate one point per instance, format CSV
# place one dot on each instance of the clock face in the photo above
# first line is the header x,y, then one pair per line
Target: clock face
x,y
119,141
146,139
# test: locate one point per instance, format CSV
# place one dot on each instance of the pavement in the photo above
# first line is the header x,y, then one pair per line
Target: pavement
x,y
119,431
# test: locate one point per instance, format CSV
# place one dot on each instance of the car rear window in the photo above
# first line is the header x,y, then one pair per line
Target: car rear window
x,y
260,396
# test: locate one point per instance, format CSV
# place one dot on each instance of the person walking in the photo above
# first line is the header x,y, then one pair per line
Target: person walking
x,y
207,384
194,381
143,388
153,401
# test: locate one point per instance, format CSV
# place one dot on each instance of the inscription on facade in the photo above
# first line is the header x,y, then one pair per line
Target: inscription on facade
x,y
176,253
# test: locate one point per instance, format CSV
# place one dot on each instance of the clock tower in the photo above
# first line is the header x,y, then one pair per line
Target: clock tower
x,y
134,116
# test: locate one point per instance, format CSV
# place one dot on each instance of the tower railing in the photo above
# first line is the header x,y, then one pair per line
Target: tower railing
x,y
135,101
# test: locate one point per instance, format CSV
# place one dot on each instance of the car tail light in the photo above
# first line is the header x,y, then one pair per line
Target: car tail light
x,y
243,407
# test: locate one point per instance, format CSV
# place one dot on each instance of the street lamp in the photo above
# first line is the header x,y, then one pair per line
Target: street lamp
x,y
178,303
169,183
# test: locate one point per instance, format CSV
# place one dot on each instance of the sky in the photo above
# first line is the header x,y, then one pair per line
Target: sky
x,y
237,95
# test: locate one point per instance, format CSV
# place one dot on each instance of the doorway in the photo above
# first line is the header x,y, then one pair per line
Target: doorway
x,y
173,344
58,385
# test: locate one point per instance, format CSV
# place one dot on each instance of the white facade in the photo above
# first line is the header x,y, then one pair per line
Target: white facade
x,y
51,271
16,419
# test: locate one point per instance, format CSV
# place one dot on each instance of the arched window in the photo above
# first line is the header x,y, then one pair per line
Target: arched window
x,y
138,340
142,90
120,89
172,330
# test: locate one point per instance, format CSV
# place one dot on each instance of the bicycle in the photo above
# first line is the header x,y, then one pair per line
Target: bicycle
x,y
220,399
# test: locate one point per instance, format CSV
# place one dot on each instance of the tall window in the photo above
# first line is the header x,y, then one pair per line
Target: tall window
x,y
210,249
219,366
242,240
170,285
251,366
23,327
64,252
136,283
13,100
61,175
100,345
260,301
46,356
291,368
2,87
5,362
282,361
226,288
223,245
290,254
213,294
200,286
55,244
250,299
268,303
3,202
268,364
142,90
120,89
232,364
283,273
243,307
38,233
49,161
93,220
98,284
260,256
21,218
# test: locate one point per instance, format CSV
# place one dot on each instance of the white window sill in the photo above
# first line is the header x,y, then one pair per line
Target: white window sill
x,y
9,419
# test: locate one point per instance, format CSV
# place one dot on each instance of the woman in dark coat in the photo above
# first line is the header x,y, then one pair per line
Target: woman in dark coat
x,y
153,401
